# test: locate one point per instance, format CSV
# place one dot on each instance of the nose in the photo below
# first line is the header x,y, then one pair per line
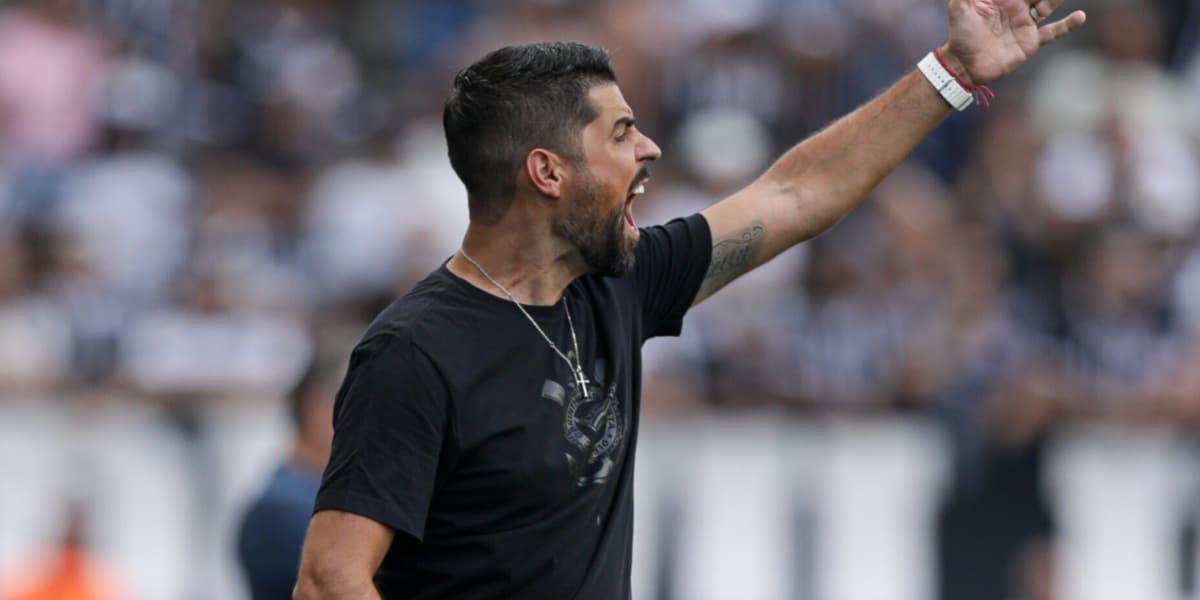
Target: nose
x,y
647,149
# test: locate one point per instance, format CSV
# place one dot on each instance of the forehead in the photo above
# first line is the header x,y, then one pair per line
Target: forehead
x,y
609,103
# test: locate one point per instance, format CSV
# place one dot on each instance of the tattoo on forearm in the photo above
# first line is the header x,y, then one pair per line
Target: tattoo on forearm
x,y
731,258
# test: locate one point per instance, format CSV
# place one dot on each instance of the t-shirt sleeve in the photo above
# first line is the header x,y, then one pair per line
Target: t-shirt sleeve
x,y
671,262
389,422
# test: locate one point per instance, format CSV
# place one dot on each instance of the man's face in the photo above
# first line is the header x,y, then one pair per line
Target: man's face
x,y
598,217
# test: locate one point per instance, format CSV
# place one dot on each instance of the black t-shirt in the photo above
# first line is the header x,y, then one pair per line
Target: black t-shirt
x,y
458,427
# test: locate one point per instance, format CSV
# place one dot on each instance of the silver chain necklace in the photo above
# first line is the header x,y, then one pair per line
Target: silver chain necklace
x,y
576,367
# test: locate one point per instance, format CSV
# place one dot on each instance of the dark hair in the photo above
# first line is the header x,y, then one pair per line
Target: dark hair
x,y
317,384
511,101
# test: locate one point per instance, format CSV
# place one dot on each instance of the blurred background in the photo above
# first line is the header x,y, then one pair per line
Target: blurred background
x,y
983,384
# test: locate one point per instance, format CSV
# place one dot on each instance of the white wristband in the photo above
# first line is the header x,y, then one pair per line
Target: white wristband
x,y
945,83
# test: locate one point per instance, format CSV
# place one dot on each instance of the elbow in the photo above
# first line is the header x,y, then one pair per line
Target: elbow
x,y
314,586
307,588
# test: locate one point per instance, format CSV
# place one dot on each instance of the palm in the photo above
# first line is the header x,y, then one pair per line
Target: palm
x,y
994,37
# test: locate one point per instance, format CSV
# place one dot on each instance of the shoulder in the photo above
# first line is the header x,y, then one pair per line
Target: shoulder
x,y
416,320
399,347
682,232
388,350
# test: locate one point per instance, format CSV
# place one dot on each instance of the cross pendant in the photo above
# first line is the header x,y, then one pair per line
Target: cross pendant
x,y
582,381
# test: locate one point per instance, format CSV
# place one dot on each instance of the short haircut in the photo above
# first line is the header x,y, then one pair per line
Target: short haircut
x,y
512,101
318,384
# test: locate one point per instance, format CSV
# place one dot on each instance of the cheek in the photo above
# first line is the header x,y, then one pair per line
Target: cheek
x,y
616,169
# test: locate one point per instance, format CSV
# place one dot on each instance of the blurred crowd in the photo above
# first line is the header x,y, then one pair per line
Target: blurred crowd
x,y
199,199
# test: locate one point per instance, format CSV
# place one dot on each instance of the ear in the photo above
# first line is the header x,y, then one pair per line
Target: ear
x,y
546,172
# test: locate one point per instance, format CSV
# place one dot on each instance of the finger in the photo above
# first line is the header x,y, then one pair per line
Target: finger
x,y
1062,27
1044,8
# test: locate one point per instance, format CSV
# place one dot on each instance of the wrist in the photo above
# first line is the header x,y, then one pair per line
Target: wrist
x,y
951,89
956,65
942,70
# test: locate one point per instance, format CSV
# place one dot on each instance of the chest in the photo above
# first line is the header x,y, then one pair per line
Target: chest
x,y
533,438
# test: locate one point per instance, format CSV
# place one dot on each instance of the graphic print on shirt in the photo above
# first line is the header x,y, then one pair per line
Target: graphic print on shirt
x,y
593,426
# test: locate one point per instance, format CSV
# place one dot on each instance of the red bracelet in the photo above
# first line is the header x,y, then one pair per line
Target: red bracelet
x,y
982,93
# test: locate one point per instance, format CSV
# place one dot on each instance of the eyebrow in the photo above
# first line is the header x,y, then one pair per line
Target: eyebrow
x,y
626,121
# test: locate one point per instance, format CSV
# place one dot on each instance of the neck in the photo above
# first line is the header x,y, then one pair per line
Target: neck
x,y
535,267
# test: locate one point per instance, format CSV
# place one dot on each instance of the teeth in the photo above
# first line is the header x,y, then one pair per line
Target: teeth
x,y
640,189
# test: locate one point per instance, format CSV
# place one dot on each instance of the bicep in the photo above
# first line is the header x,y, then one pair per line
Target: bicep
x,y
342,551
748,228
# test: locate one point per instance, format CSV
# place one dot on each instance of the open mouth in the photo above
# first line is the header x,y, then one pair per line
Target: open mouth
x,y
637,190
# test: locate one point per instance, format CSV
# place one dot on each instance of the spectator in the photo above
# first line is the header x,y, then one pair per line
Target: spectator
x,y
272,530
51,69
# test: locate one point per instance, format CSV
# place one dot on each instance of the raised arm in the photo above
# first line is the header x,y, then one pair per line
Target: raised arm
x,y
816,183
341,554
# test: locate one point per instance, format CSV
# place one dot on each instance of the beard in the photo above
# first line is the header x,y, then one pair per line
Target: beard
x,y
600,238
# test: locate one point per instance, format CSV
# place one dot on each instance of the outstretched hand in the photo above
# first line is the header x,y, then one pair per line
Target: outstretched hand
x,y
991,38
